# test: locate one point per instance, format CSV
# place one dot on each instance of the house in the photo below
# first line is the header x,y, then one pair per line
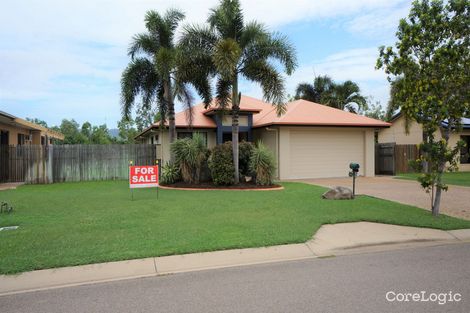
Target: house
x,y
309,141
396,134
16,131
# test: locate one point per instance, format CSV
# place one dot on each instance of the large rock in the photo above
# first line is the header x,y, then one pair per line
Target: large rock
x,y
338,193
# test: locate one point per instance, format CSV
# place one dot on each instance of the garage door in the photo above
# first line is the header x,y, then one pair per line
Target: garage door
x,y
324,153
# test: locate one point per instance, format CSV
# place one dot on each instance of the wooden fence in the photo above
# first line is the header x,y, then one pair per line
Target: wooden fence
x,y
392,159
66,163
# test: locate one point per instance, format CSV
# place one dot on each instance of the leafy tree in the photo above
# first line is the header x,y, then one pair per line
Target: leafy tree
x,y
127,131
37,121
342,96
227,49
396,98
374,110
71,132
152,72
86,131
432,59
100,135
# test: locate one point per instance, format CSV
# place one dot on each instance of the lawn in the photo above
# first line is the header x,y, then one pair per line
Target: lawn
x,y
81,223
454,178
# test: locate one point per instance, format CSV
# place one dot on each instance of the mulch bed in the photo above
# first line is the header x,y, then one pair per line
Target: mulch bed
x,y
209,186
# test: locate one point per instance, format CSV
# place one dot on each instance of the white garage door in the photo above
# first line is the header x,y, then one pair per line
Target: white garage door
x,y
324,153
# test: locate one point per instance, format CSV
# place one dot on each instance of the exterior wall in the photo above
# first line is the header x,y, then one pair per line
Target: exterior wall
x,y
396,133
163,144
328,151
13,133
270,138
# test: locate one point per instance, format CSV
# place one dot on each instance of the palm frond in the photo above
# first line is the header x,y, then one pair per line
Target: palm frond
x,y
227,19
307,92
139,77
270,80
142,43
223,93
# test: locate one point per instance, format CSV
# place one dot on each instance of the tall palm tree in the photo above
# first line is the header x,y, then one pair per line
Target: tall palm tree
x,y
345,96
153,70
227,49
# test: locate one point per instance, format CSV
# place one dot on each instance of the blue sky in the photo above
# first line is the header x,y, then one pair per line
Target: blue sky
x,y
64,59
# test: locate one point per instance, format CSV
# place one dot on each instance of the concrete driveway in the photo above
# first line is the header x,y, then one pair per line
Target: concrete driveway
x,y
455,202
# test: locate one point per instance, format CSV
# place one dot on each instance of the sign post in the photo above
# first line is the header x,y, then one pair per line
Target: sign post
x,y
143,176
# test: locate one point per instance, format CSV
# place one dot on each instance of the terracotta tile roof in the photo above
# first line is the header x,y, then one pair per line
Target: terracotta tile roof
x,y
299,112
302,112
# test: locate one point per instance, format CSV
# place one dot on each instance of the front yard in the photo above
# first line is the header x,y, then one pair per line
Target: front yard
x,y
81,223
454,178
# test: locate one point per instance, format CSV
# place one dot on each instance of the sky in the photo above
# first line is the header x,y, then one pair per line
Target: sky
x,y
64,59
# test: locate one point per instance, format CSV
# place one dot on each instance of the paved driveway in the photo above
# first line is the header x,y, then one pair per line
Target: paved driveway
x,y
455,202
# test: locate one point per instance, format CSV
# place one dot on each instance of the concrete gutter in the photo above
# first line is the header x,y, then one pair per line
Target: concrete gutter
x,y
330,240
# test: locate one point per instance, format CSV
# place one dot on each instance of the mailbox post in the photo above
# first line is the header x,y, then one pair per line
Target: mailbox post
x,y
353,173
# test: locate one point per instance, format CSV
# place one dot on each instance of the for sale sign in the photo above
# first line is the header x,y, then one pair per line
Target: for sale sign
x,y
143,176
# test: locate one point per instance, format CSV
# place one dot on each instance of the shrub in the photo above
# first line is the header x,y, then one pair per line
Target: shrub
x,y
262,163
246,149
170,173
221,164
190,155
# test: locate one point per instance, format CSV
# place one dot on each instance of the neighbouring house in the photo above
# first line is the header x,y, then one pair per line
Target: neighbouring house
x,y
309,141
16,131
396,134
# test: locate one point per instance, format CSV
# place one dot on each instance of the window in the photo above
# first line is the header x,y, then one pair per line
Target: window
x,y
242,136
465,152
21,139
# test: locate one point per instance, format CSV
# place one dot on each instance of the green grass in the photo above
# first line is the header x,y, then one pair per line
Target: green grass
x,y
454,178
81,223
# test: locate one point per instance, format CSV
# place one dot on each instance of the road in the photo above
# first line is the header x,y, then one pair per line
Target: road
x,y
352,283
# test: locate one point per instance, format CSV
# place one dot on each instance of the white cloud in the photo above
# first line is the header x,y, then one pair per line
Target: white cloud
x,y
357,65
41,42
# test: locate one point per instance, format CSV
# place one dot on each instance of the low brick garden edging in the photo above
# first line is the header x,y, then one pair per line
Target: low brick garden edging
x,y
226,189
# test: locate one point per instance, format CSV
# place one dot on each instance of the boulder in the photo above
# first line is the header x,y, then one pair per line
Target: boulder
x,y
338,193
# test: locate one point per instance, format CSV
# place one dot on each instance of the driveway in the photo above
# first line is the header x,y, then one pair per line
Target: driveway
x,y
455,202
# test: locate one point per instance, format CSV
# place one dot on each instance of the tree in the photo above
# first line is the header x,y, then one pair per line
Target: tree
x,y
100,135
227,49
86,131
37,121
374,110
342,96
152,72
315,92
71,132
396,98
432,59
127,131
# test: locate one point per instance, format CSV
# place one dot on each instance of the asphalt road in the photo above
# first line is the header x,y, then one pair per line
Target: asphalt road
x,y
354,283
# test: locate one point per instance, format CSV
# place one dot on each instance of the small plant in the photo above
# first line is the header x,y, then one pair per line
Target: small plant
x,y
246,149
190,155
5,208
170,173
221,164
262,163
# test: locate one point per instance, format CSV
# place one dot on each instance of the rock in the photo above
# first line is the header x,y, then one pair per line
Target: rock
x,y
338,193
248,179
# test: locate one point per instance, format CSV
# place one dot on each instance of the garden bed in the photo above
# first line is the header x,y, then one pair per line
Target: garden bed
x,y
209,186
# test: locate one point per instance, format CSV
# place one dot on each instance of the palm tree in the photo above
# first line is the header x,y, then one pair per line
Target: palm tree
x,y
227,49
152,72
345,96
322,85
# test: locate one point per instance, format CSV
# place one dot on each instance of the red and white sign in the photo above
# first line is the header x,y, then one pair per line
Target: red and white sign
x,y
143,176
